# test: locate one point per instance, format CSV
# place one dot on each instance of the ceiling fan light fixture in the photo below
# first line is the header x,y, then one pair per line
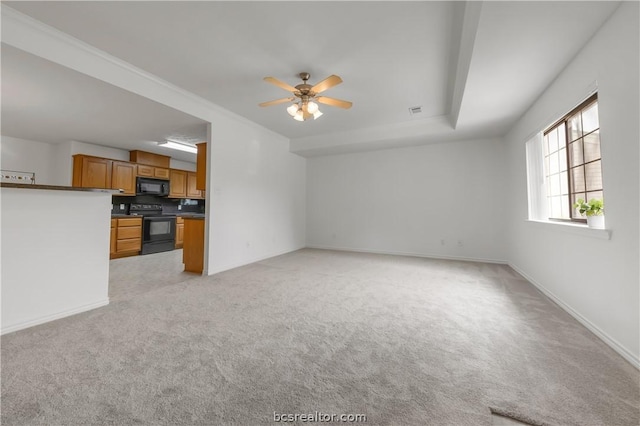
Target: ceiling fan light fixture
x,y
304,95
299,116
312,107
292,109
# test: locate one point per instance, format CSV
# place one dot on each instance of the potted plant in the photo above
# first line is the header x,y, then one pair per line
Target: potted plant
x,y
593,209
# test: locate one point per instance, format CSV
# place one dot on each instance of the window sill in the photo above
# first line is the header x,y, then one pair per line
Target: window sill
x,y
574,228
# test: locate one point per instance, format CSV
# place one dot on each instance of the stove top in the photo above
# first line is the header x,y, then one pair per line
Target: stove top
x,y
145,210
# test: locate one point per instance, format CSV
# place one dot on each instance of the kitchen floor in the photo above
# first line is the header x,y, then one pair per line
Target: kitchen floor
x,y
135,275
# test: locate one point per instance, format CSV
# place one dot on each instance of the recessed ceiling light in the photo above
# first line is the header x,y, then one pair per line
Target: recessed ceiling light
x,y
180,146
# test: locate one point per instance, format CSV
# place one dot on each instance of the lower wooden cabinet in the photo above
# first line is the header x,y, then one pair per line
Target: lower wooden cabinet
x,y
114,226
193,249
179,232
126,237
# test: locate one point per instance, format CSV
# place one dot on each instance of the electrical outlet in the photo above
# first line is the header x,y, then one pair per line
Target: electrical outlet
x,y
121,206
179,207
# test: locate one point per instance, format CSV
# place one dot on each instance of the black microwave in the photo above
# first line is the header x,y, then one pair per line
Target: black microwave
x,y
147,186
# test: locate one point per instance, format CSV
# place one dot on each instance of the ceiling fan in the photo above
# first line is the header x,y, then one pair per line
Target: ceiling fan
x,y
304,95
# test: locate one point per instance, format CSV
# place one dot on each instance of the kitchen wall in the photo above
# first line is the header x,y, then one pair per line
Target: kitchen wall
x,y
53,163
596,280
441,200
29,156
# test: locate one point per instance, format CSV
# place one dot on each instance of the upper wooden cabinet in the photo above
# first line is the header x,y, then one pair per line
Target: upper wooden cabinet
x,y
201,166
96,172
150,159
160,173
177,183
123,176
153,172
192,192
91,172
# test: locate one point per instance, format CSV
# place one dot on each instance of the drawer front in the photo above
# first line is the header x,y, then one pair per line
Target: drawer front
x,y
133,244
129,232
146,171
130,221
161,173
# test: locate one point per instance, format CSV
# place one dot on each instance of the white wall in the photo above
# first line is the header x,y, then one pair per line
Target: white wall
x,y
596,280
28,156
257,198
408,200
54,263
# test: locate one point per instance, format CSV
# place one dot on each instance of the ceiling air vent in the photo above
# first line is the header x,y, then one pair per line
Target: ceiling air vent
x,y
415,110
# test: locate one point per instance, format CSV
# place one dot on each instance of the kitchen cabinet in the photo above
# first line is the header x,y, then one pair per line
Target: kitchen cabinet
x,y
177,183
201,166
128,237
192,192
114,226
91,172
179,232
96,172
123,176
193,246
153,172
150,159
160,173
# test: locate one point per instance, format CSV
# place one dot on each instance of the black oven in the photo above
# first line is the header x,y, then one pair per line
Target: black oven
x,y
158,234
148,186
158,230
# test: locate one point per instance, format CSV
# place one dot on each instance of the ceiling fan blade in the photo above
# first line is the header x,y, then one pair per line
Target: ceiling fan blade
x,y
276,102
334,102
327,83
280,84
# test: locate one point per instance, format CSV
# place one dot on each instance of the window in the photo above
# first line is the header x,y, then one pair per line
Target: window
x,y
572,161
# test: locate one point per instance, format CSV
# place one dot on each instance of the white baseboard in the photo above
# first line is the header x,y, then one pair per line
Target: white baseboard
x,y
610,341
52,317
252,260
400,253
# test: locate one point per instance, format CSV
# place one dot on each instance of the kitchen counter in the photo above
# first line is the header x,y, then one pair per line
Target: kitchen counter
x,y
57,187
183,215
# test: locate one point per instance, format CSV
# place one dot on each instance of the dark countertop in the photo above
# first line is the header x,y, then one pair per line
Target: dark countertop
x,y
182,215
57,187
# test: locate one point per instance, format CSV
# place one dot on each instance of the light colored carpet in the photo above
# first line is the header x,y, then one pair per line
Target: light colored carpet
x,y
406,341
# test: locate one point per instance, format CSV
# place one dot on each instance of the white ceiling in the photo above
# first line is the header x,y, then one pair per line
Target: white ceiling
x,y
474,68
46,102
